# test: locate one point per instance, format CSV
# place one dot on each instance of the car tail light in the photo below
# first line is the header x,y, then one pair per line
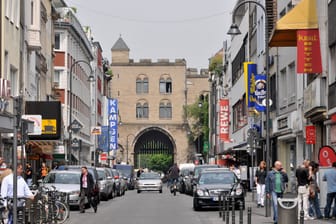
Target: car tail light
x,y
116,177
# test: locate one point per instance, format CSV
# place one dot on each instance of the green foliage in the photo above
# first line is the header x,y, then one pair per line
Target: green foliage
x,y
216,64
157,162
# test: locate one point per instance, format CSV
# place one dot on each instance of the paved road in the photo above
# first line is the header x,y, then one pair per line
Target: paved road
x,y
155,208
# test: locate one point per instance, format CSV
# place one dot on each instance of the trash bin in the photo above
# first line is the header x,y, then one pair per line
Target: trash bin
x,y
287,211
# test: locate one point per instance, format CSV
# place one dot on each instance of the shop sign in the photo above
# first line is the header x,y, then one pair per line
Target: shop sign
x,y
224,120
327,156
310,134
308,51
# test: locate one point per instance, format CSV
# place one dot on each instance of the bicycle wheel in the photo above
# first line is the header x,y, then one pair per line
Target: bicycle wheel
x,y
62,212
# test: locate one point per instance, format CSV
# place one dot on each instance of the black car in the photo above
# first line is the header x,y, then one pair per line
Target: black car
x,y
128,172
212,183
191,182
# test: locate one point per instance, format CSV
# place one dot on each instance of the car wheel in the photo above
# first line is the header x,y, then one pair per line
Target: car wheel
x,y
160,191
139,191
196,206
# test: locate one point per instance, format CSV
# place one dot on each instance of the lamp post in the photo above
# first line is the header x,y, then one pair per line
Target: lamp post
x,y
127,146
234,30
90,79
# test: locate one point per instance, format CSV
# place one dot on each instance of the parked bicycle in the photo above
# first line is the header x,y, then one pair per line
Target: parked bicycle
x,y
6,210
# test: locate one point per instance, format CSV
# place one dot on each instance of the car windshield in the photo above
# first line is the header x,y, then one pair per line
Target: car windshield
x,y
217,178
199,169
62,178
125,170
145,176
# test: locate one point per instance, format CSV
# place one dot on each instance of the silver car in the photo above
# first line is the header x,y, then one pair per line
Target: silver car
x,y
105,183
67,181
149,182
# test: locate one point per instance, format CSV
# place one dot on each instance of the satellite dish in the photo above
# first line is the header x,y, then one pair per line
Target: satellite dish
x,y
264,102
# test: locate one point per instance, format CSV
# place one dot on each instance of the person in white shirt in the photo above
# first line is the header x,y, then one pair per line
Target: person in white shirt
x,y
22,188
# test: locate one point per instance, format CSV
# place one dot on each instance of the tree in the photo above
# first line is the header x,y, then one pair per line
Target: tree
x,y
159,162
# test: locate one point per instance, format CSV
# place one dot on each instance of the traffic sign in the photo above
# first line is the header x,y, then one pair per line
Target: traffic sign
x,y
103,156
75,126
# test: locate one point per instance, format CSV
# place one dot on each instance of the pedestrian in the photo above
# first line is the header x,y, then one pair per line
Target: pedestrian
x,y
44,170
235,169
259,179
173,174
3,165
314,191
276,180
23,190
87,189
139,172
303,179
29,174
330,177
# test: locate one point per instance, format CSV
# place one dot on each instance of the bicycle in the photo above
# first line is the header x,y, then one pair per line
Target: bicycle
x,y
51,208
21,203
173,187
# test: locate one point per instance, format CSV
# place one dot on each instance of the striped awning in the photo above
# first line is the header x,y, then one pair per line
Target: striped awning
x,y
46,146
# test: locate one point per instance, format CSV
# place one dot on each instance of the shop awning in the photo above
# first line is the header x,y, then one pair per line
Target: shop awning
x,y
45,146
302,16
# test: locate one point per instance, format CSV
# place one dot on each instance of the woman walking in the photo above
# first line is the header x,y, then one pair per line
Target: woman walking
x,y
259,179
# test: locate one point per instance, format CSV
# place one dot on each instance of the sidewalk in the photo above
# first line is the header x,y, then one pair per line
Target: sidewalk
x,y
258,214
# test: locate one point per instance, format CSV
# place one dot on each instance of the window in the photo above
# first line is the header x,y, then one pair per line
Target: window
x,y
14,81
165,110
57,75
237,63
142,85
57,41
165,85
141,110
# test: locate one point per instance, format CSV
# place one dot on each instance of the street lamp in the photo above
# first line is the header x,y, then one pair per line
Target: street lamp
x,y
127,146
234,30
90,79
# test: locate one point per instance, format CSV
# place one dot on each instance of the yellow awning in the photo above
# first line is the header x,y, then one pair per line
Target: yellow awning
x,y
302,16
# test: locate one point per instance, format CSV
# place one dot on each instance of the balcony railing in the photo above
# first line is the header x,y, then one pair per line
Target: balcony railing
x,y
314,97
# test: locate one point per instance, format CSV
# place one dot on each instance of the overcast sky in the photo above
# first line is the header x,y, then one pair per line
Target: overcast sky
x,y
190,29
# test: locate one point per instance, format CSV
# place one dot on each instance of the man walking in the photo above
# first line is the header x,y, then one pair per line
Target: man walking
x,y
86,189
303,179
330,177
22,190
275,186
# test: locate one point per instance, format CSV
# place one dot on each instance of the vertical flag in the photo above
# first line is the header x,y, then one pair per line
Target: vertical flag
x,y
260,92
103,142
250,71
113,124
224,120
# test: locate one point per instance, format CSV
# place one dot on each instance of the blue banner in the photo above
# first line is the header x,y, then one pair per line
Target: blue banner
x,y
113,124
260,93
250,73
103,142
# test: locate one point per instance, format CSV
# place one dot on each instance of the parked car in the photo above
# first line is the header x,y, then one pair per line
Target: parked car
x,y
105,182
128,172
120,182
150,181
184,177
214,182
67,181
92,170
193,177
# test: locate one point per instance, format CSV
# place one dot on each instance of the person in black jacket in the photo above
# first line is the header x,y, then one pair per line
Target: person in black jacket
x,y
86,189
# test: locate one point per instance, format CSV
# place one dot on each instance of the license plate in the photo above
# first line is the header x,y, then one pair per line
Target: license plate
x,y
215,198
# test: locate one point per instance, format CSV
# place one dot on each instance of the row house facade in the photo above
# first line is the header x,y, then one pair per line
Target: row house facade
x,y
298,100
42,45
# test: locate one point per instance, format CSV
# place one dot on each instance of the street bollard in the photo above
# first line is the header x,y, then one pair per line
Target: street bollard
x,y
301,216
249,214
233,210
241,212
227,210
224,207
220,208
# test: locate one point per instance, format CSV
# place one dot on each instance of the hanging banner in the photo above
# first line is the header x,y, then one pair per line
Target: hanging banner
x,y
224,120
113,124
308,51
250,70
260,92
310,134
103,141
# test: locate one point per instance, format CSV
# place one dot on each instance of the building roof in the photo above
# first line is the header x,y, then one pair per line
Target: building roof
x,y
120,45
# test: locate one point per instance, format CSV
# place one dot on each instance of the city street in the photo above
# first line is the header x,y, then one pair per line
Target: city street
x,y
154,208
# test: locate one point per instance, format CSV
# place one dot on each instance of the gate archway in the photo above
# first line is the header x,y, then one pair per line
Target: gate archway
x,y
150,142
